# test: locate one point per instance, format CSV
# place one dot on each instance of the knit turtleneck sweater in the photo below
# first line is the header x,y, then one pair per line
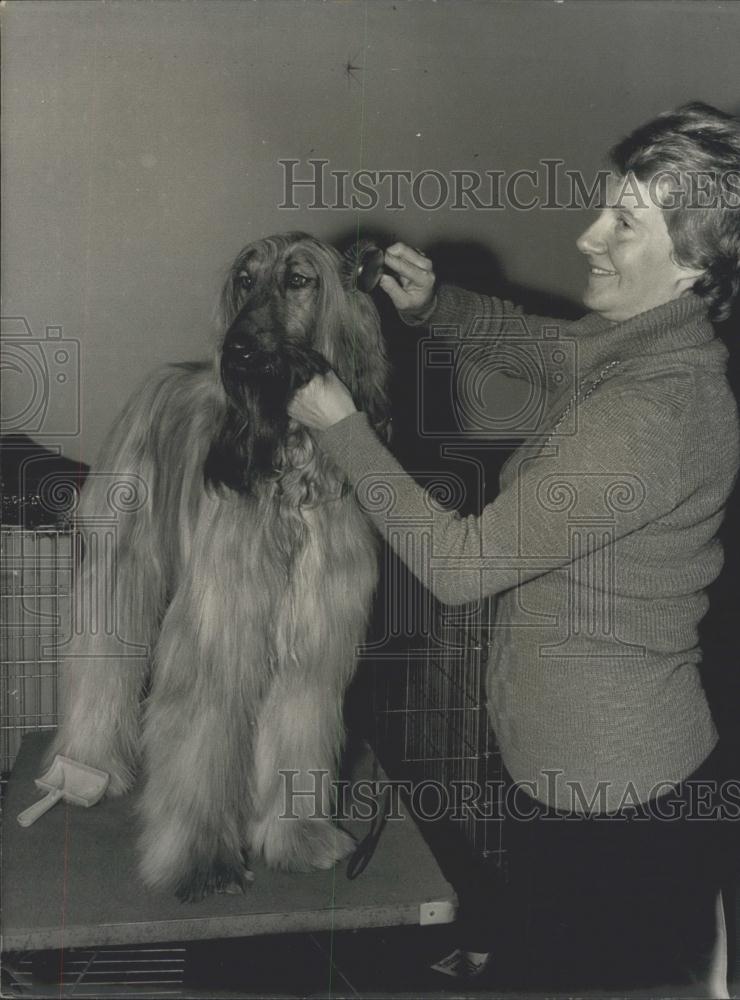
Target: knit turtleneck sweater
x,y
599,548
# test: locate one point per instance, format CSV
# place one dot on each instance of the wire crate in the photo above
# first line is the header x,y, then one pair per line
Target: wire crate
x,y
35,587
431,722
35,579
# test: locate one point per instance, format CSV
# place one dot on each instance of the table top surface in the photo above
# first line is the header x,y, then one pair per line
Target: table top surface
x,y
70,879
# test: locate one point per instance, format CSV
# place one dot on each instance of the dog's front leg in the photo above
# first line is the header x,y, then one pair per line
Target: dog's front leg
x,y
195,799
298,741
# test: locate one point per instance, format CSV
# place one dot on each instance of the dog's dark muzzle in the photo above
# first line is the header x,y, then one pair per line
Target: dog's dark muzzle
x,y
259,364
245,358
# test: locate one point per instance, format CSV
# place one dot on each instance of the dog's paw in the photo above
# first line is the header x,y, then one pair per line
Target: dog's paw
x,y
312,845
220,877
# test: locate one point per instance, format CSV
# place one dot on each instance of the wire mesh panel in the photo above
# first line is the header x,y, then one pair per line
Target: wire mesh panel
x,y
109,972
431,722
35,577
35,618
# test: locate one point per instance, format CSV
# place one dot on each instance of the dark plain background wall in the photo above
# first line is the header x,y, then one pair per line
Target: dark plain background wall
x,y
141,144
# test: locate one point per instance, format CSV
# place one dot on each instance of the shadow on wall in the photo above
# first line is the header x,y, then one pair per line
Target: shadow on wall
x,y
473,266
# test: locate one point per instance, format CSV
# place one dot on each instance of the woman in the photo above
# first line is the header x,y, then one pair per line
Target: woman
x,y
600,547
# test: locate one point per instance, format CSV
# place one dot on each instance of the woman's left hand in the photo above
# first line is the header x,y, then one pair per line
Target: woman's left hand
x,y
323,401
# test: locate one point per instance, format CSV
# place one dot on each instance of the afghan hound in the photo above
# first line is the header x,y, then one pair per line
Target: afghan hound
x,y
237,586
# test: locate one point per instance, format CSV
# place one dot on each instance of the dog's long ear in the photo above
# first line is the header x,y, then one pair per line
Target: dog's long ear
x,y
357,354
362,266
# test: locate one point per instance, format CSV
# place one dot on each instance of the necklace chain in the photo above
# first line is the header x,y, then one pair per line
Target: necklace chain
x,y
580,395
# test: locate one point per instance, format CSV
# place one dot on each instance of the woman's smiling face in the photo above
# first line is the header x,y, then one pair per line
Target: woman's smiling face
x,y
630,253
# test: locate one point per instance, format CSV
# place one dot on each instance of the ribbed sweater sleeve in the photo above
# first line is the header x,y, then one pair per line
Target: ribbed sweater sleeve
x,y
493,322
622,466
463,308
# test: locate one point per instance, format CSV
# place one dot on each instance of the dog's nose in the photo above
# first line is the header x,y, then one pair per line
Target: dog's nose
x,y
248,357
239,351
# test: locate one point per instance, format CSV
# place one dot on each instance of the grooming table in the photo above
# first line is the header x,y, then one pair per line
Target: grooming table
x,y
70,880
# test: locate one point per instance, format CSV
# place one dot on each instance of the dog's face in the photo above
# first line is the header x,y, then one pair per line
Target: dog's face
x,y
268,350
290,311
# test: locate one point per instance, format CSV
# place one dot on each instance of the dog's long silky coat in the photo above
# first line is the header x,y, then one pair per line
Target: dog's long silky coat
x,y
243,572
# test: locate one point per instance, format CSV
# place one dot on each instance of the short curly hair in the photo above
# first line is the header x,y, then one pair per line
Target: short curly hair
x,y
695,152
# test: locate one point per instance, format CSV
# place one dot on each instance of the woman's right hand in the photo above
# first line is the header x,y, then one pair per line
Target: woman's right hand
x,y
412,291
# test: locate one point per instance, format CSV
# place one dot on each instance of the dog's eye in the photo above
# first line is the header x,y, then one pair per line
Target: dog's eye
x,y
245,280
298,280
